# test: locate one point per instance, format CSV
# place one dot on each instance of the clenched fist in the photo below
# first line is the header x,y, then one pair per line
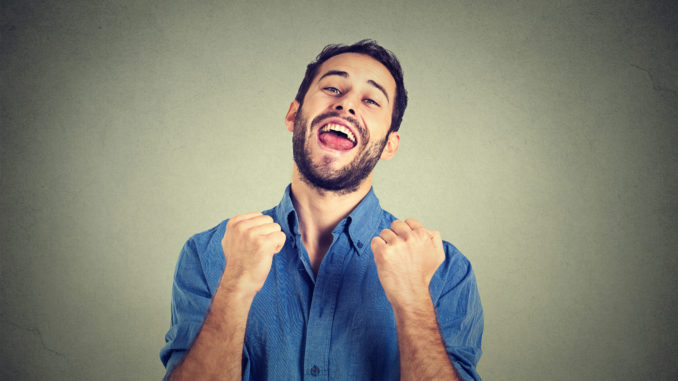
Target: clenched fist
x,y
249,244
407,255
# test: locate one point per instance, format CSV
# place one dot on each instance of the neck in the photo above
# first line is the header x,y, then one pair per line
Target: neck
x,y
319,211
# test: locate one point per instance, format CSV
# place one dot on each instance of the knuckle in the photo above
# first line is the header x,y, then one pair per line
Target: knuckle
x,y
258,240
230,224
238,227
250,235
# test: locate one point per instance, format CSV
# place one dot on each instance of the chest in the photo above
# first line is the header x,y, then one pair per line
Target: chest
x,y
336,325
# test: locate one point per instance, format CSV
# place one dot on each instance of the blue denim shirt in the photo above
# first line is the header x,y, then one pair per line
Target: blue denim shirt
x,y
336,325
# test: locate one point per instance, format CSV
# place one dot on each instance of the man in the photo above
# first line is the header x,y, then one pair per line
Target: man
x,y
327,285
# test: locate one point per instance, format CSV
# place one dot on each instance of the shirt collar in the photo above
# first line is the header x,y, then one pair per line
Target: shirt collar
x,y
285,214
361,223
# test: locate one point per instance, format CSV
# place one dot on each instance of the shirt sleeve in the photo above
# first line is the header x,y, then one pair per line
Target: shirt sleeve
x,y
459,313
191,298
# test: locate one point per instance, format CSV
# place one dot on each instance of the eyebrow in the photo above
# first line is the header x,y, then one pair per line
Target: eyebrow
x,y
345,75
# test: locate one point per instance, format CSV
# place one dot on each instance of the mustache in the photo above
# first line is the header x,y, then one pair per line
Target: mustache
x,y
334,114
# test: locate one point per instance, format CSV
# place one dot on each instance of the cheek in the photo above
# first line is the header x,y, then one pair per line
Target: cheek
x,y
315,103
379,124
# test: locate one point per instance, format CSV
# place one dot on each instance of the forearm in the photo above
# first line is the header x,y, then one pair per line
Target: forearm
x,y
216,353
422,353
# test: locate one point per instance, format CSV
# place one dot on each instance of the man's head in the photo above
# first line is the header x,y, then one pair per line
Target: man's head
x,y
369,48
343,118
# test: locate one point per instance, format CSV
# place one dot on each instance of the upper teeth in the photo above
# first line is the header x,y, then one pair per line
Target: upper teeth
x,y
340,128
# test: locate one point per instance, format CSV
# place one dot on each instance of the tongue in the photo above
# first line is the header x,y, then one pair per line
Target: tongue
x,y
335,141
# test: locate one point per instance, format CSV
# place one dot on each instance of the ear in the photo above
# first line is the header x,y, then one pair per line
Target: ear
x,y
391,146
291,115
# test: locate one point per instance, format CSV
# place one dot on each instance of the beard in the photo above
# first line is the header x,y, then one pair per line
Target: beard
x,y
320,175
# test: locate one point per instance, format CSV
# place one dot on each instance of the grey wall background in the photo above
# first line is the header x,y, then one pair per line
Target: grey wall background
x,y
540,139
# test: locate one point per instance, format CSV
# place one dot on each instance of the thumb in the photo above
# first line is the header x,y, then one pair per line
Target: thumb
x,y
279,239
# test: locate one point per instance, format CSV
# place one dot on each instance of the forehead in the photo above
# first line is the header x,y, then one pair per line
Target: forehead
x,y
360,68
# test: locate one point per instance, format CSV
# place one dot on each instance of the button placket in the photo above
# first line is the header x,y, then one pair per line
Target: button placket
x,y
323,305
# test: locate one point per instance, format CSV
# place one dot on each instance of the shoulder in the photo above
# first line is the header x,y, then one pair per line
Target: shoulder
x,y
202,259
200,242
456,273
384,219
456,264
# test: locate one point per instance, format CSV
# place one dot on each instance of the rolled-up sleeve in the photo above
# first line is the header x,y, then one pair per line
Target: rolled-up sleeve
x,y
460,313
191,298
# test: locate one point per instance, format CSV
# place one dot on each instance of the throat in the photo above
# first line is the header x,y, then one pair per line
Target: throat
x,y
316,249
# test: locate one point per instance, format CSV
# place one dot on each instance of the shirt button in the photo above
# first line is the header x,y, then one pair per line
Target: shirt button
x,y
315,371
360,245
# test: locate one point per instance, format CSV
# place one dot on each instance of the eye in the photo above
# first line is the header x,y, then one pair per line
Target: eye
x,y
332,90
371,101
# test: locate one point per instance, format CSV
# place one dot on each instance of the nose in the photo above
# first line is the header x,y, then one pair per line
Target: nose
x,y
340,107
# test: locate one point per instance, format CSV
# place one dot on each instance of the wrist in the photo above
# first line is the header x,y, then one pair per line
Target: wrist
x,y
412,303
239,284
239,292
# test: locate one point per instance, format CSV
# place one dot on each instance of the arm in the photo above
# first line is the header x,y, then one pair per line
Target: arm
x,y
249,243
407,256
217,351
422,353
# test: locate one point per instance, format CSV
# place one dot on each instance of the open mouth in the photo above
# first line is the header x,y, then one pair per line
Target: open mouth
x,y
336,136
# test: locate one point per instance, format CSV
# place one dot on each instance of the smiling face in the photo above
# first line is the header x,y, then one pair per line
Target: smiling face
x,y
349,105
